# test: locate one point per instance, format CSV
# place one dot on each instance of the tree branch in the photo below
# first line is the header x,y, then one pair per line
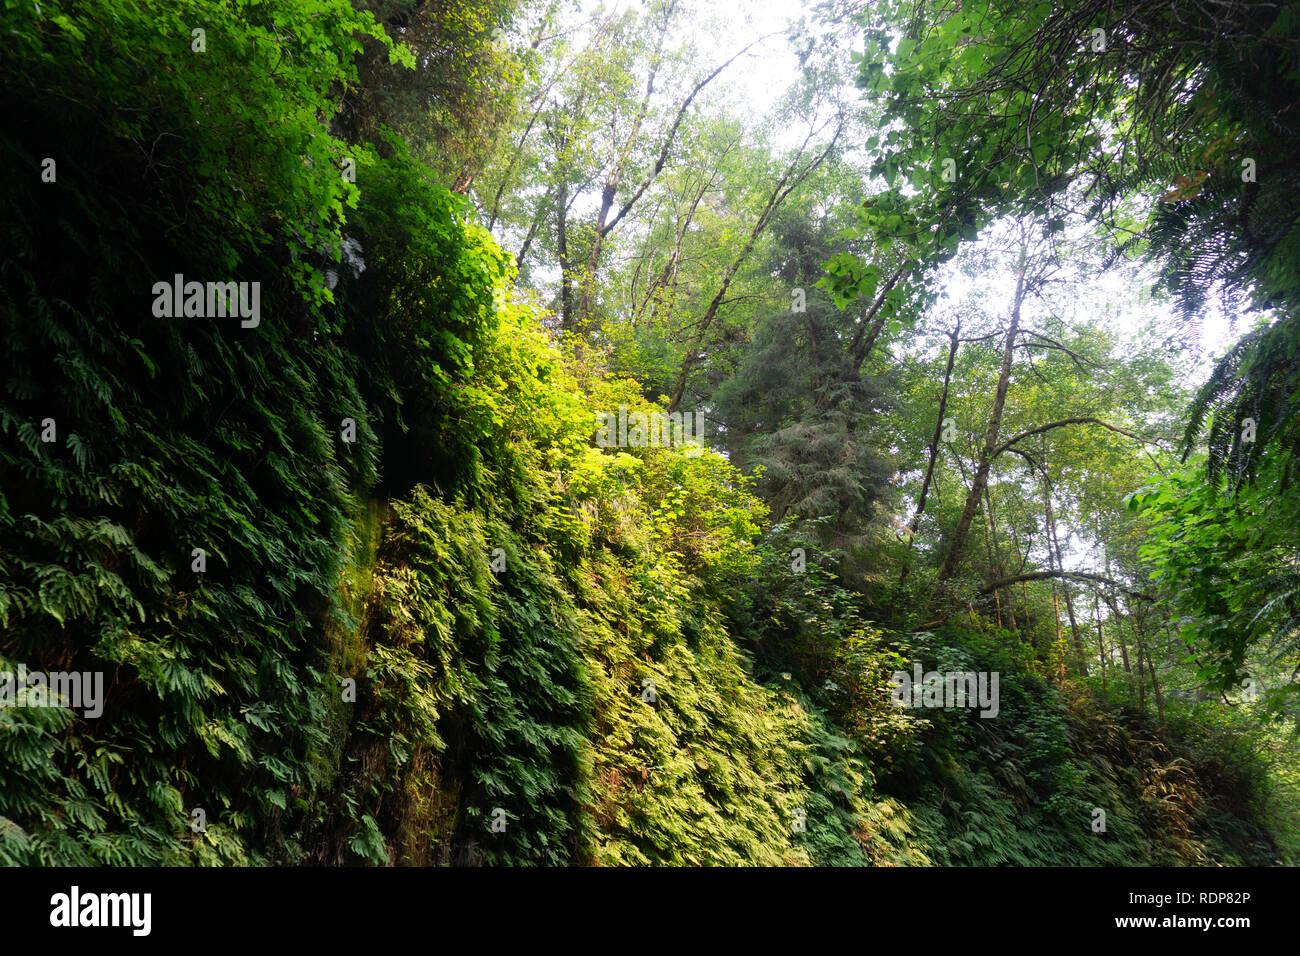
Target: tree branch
x,y
861,347
671,136
1047,343
1044,575
1087,420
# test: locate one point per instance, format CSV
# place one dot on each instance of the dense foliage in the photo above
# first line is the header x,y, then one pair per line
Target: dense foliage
x,y
363,584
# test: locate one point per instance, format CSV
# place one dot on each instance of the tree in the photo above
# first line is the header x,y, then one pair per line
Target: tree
x,y
796,410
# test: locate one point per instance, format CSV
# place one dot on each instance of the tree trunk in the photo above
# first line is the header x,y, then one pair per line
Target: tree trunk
x,y
667,279
1101,647
1119,636
869,329
1142,686
1145,651
915,523
1054,545
604,222
562,250
787,184
1155,686
962,531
